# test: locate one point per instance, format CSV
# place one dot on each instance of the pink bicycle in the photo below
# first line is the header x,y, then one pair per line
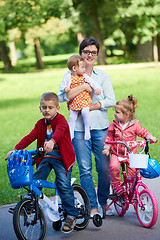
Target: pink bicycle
x,y
135,191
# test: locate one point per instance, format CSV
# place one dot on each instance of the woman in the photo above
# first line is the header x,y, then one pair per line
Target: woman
x,y
89,49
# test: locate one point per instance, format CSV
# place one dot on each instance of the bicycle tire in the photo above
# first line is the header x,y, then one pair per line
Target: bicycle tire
x,y
148,216
23,221
82,203
120,206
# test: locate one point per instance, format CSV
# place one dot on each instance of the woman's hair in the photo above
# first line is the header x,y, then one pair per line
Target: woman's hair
x,y
88,41
128,106
49,96
74,61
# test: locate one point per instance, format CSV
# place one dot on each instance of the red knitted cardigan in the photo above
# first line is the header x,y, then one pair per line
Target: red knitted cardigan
x,y
61,136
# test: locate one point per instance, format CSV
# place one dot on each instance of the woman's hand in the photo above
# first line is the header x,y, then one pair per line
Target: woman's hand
x,y
95,106
77,90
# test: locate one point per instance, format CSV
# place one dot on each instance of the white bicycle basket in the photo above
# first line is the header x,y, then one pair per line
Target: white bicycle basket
x,y
138,160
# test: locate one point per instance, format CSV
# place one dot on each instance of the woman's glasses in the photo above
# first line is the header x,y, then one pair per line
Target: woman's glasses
x,y
87,52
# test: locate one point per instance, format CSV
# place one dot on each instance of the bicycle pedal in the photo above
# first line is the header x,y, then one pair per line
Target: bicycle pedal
x,y
112,196
11,210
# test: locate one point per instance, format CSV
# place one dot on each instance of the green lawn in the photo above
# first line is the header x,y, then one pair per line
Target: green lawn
x,y
19,109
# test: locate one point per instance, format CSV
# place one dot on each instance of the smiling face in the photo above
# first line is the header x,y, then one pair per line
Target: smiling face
x,y
49,109
90,57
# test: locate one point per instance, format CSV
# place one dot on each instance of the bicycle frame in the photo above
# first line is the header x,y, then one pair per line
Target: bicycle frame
x,y
143,200
131,192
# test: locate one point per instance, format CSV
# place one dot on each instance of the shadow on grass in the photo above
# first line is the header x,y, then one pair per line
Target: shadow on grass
x,y
17,102
29,67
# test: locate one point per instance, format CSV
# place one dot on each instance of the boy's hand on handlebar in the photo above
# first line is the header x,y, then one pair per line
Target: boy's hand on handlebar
x,y
9,153
105,152
48,146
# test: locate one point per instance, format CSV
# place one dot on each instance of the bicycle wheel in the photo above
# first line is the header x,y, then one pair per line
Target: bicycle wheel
x,y
120,205
148,214
25,224
82,203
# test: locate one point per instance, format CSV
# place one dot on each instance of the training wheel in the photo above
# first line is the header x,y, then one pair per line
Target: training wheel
x,y
97,220
57,225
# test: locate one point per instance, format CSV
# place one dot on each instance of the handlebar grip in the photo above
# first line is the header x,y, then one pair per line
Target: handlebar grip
x,y
111,142
151,141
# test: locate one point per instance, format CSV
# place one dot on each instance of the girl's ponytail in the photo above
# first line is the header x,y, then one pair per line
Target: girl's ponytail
x,y
133,100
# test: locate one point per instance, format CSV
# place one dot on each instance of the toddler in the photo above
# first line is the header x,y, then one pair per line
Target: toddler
x,y
124,128
82,101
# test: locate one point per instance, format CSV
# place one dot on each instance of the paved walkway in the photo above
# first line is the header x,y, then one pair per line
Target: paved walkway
x,y
113,228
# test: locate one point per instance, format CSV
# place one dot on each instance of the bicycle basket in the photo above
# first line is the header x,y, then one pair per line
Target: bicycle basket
x,y
20,176
153,169
20,169
138,160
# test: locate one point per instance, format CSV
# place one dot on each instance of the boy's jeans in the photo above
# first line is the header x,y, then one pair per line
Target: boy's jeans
x,y
83,149
63,182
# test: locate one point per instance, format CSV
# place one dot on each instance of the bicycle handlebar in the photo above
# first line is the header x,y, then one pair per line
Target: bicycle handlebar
x,y
129,144
37,153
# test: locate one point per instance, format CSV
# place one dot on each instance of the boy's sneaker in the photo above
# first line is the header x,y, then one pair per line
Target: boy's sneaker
x,y
68,225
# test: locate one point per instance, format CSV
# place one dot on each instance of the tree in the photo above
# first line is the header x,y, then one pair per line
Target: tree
x,y
25,14
95,18
145,16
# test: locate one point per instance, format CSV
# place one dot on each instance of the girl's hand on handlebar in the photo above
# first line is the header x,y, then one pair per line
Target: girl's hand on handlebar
x,y
153,139
9,153
105,152
48,146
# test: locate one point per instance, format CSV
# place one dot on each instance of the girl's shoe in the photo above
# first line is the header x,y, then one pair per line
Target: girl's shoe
x,y
107,211
119,190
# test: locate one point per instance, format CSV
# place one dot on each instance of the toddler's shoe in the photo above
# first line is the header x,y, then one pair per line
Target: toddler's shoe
x,y
68,225
107,211
119,190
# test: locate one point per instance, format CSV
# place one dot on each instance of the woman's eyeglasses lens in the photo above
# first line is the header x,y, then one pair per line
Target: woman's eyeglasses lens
x,y
87,52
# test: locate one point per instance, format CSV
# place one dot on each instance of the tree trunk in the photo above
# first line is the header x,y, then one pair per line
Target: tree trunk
x,y
5,57
155,48
144,52
97,33
39,62
13,53
80,37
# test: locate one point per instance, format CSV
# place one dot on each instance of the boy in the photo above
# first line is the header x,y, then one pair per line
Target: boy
x,y
82,101
51,132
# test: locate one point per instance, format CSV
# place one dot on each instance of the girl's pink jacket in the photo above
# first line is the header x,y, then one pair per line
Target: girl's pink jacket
x,y
116,133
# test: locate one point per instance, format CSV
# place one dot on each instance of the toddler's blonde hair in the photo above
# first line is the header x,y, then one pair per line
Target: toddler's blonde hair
x,y
128,106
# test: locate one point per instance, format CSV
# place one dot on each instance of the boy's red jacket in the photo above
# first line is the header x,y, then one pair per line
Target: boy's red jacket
x,y
61,136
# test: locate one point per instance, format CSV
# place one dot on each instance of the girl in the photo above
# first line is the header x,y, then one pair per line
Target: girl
x,y
124,128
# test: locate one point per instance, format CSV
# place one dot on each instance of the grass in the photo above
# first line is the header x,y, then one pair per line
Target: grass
x,y
19,102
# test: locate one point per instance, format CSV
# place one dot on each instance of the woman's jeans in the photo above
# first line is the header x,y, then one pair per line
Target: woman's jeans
x,y
83,149
63,182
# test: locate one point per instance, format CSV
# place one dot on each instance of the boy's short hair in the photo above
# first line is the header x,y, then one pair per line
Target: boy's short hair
x,y
48,96
74,61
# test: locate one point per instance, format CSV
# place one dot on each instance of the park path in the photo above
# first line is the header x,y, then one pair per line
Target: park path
x,y
113,228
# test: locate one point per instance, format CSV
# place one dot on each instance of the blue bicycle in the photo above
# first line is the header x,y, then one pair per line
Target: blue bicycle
x,y
29,219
